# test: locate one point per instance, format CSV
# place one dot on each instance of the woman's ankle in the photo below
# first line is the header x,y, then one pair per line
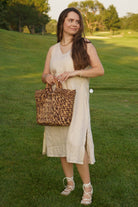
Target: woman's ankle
x,y
87,187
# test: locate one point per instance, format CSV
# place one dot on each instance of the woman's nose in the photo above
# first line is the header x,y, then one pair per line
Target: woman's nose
x,y
75,23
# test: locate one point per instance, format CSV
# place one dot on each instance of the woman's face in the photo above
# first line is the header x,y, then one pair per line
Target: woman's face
x,y
71,24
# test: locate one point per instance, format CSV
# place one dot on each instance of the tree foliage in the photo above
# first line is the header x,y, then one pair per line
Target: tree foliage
x,y
91,12
3,13
111,19
96,17
15,14
130,22
30,13
51,27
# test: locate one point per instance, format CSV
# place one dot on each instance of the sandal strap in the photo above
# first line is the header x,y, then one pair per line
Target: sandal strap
x,y
87,196
87,193
86,199
68,187
87,185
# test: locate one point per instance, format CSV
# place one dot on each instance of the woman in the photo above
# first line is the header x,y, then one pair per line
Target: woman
x,y
73,60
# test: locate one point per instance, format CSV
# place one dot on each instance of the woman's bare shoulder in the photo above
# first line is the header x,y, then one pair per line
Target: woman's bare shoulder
x,y
87,40
51,48
91,46
91,49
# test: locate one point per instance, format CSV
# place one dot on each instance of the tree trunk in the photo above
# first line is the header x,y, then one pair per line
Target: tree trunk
x,y
31,29
43,29
20,25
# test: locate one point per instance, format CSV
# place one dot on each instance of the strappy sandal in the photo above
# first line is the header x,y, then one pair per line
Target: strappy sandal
x,y
68,188
87,196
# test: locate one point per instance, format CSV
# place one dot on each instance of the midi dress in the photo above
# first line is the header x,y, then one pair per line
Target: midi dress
x,y
70,141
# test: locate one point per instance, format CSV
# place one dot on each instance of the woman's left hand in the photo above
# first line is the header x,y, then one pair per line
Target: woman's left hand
x,y
64,76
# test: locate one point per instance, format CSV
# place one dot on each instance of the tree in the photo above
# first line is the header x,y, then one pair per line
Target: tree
x,y
43,8
130,22
32,14
91,12
20,15
3,13
51,27
111,19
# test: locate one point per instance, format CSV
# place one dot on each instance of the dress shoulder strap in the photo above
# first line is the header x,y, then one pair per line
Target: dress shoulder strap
x,y
55,48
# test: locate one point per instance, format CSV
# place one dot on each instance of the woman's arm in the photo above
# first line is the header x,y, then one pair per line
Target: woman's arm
x,y
96,66
46,76
95,63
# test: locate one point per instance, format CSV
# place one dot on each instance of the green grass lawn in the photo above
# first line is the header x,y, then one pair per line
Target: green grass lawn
x,y
28,179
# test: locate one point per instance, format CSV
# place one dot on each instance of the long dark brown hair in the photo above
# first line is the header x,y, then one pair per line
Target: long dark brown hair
x,y
79,47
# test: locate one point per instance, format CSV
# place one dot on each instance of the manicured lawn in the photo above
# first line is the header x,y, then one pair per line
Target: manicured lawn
x,y
28,179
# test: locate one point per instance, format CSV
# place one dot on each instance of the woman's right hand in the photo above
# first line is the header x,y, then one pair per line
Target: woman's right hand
x,y
49,78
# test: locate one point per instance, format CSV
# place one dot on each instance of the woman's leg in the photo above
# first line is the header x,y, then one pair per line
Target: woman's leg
x,y
84,170
85,176
68,171
67,167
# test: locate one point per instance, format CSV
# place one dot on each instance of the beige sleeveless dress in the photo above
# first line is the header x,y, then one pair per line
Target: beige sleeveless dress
x,y
70,142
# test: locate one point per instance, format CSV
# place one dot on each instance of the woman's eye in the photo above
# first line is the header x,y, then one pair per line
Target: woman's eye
x,y
71,20
77,22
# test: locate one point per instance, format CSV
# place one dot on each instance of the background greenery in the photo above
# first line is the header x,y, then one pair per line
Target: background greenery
x,y
28,179
32,16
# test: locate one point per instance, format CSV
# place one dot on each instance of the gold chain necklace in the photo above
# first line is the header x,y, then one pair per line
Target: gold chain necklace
x,y
66,43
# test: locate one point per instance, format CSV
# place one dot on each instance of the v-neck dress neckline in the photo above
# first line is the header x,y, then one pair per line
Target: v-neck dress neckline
x,y
61,50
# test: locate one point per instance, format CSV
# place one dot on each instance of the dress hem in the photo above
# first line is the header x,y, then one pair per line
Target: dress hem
x,y
69,161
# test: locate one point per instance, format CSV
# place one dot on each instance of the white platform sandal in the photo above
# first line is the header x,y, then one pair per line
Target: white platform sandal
x,y
68,188
87,196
